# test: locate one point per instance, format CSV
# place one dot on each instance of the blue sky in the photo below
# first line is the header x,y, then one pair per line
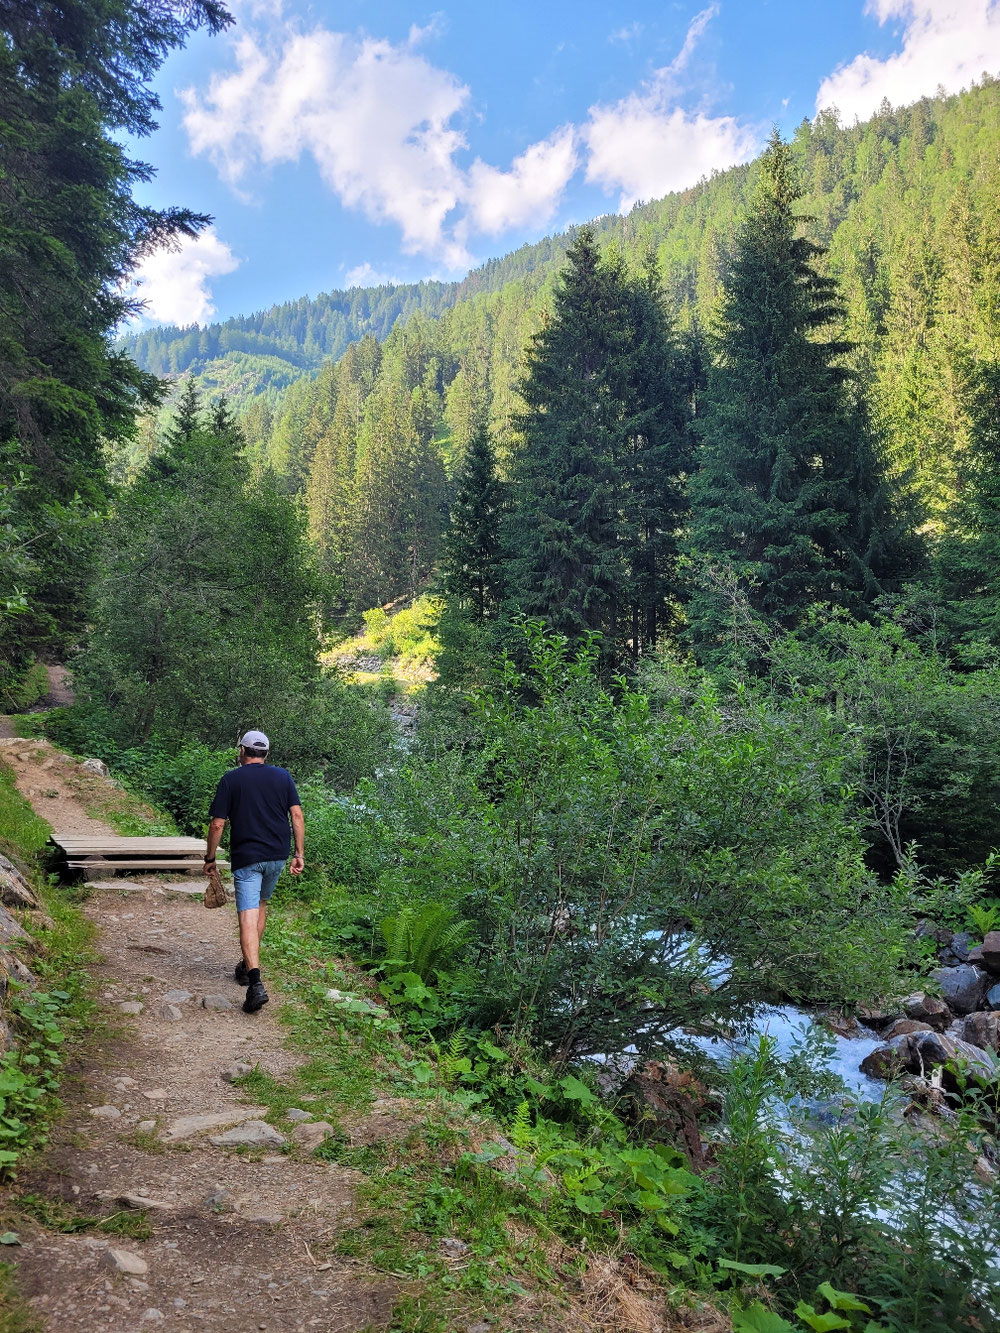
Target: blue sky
x,y
361,142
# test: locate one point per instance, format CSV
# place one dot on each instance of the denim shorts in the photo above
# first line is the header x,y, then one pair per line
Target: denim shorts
x,y
255,883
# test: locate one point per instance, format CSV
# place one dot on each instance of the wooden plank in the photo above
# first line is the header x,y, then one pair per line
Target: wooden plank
x,y
70,842
149,863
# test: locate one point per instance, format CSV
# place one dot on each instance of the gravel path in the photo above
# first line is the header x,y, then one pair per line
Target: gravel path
x,y
242,1239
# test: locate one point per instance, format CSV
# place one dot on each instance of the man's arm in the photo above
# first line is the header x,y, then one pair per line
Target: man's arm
x,y
299,833
215,829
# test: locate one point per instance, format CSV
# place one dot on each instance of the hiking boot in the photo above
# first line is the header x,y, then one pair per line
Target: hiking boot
x,y
257,997
241,974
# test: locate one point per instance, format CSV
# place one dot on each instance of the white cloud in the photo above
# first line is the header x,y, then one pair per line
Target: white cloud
x,y
529,192
645,147
175,282
949,42
376,118
366,275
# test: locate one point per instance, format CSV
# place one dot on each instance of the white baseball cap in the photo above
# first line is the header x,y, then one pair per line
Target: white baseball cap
x,y
255,740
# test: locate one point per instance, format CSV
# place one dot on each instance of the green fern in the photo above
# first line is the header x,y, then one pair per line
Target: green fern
x,y
422,939
984,917
522,1134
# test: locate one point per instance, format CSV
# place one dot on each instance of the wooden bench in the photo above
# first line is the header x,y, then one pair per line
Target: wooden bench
x,y
106,852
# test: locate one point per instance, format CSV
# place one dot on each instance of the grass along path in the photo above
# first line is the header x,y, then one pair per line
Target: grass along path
x,y
136,1215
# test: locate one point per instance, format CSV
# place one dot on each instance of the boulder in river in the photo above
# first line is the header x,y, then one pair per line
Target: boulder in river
x,y
991,950
878,1018
962,987
904,1025
887,1061
983,1029
927,1009
993,997
932,1050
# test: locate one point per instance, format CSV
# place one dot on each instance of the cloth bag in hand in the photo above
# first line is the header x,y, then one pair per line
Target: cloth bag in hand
x,y
215,893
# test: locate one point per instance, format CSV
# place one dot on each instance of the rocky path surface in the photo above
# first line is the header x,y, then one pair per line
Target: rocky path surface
x,y
243,1218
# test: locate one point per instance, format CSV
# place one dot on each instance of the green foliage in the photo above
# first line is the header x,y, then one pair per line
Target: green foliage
x,y
597,479
72,83
422,940
984,917
789,492
408,634
472,563
26,832
927,733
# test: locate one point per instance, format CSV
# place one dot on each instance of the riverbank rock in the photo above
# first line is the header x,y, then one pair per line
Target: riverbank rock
x,y
904,1025
993,997
990,948
921,1052
956,951
878,1018
983,1029
963,988
887,1062
666,1102
927,1009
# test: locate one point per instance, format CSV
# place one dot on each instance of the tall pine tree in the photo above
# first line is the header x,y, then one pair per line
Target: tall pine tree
x,y
790,493
597,490
472,544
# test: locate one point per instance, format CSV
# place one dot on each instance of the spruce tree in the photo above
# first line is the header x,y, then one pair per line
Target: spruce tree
x,y
563,562
790,493
472,545
598,485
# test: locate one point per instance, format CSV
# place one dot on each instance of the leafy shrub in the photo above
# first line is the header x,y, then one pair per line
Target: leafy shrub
x,y
618,857
409,634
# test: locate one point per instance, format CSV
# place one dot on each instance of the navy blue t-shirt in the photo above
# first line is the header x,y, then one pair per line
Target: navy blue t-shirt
x,y
256,799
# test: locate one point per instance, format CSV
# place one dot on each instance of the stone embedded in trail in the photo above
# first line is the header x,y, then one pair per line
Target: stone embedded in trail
x,y
311,1135
983,1029
155,1094
190,1125
991,950
253,1133
124,1261
130,1007
170,1013
140,1202
962,987
238,1070
105,1112
216,1002
221,1199
296,1113
927,1009
905,1025
145,1126
177,997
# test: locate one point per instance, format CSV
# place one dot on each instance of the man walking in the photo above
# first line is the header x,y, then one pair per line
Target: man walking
x,y
258,799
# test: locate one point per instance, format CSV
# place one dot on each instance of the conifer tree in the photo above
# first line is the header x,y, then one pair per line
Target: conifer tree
x,y
597,494
790,493
562,536
472,545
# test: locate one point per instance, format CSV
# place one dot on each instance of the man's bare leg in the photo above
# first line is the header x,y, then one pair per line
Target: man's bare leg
x,y
251,929
252,923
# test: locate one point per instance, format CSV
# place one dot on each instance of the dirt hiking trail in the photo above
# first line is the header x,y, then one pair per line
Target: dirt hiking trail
x,y
242,1229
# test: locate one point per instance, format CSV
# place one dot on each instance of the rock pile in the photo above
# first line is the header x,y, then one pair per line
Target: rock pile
x,y
960,1026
